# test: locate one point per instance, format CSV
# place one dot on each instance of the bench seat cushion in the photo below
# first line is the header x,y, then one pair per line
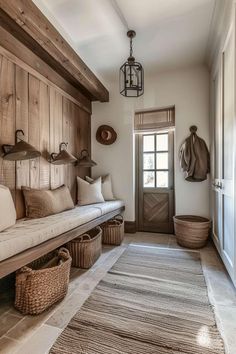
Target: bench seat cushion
x,y
109,206
27,233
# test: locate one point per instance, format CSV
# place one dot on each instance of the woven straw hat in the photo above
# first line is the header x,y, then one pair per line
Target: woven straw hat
x,y
106,135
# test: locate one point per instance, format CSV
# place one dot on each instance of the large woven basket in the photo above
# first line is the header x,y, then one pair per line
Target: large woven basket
x,y
191,231
86,249
43,282
113,231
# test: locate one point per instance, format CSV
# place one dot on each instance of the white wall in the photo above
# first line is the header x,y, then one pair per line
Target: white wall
x,y
188,90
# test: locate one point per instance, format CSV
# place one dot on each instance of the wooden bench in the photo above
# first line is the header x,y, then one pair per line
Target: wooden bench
x,y
15,262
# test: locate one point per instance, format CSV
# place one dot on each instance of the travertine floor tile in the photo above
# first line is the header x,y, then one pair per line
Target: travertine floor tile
x,y
7,321
41,341
148,238
226,318
26,328
8,346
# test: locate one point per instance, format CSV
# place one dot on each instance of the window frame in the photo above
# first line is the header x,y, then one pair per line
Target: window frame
x,y
156,152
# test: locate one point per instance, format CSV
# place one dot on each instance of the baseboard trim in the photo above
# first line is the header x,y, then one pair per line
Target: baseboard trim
x,y
130,227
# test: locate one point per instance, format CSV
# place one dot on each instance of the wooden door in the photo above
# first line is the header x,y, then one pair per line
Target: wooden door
x,y
155,182
223,183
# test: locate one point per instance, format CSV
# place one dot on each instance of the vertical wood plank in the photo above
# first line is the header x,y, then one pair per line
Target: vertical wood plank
x,y
57,172
72,149
70,145
66,134
59,135
7,118
22,121
84,138
44,136
34,129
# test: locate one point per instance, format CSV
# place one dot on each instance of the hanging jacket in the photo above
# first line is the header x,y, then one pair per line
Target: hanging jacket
x,y
195,159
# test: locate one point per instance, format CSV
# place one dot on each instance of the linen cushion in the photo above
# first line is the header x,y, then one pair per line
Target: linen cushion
x,y
7,209
106,186
41,203
89,193
109,206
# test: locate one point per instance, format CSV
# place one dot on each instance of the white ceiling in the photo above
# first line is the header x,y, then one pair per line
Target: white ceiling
x,y
170,33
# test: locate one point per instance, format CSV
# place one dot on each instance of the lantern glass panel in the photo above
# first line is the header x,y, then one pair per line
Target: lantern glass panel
x,y
131,79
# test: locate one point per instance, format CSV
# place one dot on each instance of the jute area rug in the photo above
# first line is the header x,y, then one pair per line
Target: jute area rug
x,y
151,301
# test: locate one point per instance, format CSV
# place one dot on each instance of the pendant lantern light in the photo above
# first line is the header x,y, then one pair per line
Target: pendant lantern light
x,y
131,74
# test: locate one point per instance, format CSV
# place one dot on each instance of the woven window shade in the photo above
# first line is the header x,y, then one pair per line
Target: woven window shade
x,y
154,120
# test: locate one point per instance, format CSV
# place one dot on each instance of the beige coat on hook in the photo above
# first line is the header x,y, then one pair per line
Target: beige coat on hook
x,y
195,159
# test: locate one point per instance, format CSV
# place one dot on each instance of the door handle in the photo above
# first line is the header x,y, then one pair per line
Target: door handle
x,y
218,185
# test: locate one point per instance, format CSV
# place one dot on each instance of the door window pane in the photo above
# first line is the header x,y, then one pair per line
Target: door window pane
x,y
148,179
162,142
148,143
148,161
162,161
162,179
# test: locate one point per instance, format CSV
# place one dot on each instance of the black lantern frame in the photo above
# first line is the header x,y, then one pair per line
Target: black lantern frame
x,y
131,74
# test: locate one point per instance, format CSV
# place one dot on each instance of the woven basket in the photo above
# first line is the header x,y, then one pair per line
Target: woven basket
x,y
113,231
191,231
43,282
86,249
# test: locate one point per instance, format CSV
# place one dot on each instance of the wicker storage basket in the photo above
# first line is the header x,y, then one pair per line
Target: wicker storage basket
x,y
86,249
191,231
113,231
43,282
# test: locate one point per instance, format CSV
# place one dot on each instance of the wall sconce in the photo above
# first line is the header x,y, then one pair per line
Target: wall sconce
x,y
84,159
20,151
63,157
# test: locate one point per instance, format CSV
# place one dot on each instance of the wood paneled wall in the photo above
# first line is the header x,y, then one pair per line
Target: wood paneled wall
x,y
48,117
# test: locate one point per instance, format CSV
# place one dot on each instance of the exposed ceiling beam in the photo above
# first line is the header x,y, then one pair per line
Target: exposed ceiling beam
x,y
25,21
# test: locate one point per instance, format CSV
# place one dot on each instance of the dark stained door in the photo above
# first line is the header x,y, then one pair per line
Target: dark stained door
x,y
155,181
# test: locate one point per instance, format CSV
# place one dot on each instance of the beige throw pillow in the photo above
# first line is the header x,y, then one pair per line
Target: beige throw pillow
x,y
89,193
106,186
7,209
41,203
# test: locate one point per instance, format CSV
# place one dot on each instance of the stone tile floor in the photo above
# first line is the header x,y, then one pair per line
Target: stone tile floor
x,y
36,334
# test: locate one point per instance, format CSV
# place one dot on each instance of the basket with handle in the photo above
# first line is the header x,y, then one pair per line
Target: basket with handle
x,y
86,249
113,231
43,282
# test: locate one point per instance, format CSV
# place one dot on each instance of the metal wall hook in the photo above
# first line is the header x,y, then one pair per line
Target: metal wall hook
x,y
53,155
61,146
17,132
63,157
84,159
84,153
193,129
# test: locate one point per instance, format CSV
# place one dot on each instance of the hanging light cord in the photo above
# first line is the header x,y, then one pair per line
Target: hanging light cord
x,y
131,47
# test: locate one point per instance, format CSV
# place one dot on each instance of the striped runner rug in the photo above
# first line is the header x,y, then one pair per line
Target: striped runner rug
x,y
151,301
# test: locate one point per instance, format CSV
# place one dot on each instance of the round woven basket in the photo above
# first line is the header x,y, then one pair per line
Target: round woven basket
x,y
191,231
86,249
